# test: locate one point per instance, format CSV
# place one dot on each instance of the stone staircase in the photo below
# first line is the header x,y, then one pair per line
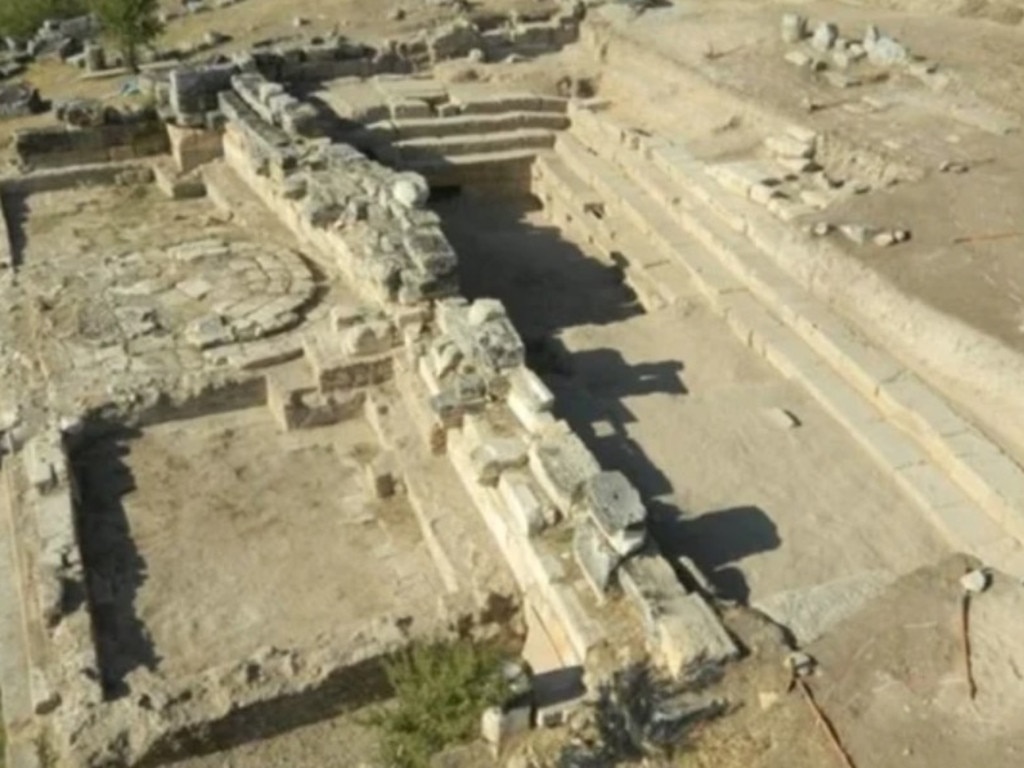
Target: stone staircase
x,y
451,133
651,207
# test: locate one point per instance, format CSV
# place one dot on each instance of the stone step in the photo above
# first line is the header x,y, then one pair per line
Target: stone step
x,y
990,477
775,316
473,144
461,125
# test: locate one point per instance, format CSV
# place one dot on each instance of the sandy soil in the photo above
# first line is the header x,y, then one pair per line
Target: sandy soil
x,y
212,538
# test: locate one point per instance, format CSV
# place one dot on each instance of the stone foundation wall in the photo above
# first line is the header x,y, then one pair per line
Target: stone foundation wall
x,y
61,147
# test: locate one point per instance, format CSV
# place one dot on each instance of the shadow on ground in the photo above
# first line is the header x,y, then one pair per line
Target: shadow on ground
x,y
549,285
116,570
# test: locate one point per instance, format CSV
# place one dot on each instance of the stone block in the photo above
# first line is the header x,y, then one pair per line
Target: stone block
x,y
690,634
794,28
788,146
562,463
523,502
494,456
825,36
45,463
595,558
530,392
372,338
614,506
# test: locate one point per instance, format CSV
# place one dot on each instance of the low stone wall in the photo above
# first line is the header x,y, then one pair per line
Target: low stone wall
x,y
100,174
60,147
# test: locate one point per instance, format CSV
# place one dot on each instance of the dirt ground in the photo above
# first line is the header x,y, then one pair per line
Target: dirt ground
x,y
213,537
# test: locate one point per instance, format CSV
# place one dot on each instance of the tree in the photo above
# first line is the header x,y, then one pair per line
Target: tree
x,y
21,18
130,23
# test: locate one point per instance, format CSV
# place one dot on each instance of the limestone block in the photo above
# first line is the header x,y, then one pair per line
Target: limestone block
x,y
825,35
494,456
562,463
788,146
55,523
208,331
45,463
794,28
483,311
443,358
192,147
372,338
522,501
532,393
614,506
410,190
596,559
690,634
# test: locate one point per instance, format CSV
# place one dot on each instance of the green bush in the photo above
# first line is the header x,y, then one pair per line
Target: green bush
x,y
441,690
21,18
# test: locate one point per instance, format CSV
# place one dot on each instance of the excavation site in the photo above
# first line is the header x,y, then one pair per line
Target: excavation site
x,y
513,384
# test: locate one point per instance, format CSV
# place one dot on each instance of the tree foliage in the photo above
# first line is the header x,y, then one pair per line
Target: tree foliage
x,y
130,23
441,690
21,18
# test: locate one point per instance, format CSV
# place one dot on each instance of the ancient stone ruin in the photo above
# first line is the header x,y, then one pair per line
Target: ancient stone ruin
x,y
269,414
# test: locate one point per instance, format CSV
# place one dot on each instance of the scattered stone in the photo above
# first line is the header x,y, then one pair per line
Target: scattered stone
x,y
948,166
825,36
794,27
885,52
884,239
901,235
396,14
975,581
300,21
800,663
857,233
477,56
411,191
788,146
821,228
798,58
842,80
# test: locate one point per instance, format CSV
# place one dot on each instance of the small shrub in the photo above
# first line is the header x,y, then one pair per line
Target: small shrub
x,y
441,690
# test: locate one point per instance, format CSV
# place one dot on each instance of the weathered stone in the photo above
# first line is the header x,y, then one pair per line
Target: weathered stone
x,y
522,501
690,634
615,507
368,338
208,331
975,581
825,35
596,559
562,463
495,456
885,51
794,27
